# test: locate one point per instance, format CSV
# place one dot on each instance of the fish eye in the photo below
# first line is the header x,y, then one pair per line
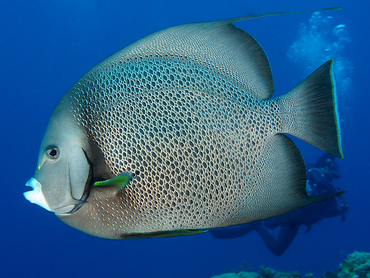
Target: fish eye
x,y
53,153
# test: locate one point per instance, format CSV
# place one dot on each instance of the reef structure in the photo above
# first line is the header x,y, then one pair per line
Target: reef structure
x,y
356,265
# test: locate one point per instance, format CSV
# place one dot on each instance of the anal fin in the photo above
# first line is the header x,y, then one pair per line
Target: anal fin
x,y
280,184
164,234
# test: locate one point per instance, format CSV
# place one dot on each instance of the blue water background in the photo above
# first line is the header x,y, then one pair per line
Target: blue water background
x,y
45,46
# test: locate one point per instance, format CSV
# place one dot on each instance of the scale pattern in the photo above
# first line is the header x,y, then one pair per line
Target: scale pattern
x,y
192,138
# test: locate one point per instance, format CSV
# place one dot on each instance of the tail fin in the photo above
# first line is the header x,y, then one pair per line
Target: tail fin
x,y
309,111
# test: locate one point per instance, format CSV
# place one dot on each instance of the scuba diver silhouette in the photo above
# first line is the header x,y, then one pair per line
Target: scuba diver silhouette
x,y
319,178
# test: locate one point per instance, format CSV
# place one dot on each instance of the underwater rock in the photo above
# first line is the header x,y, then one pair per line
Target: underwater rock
x,y
356,265
272,273
329,274
242,274
264,273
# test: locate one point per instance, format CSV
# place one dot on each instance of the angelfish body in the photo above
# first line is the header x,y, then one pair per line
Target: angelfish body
x,y
176,133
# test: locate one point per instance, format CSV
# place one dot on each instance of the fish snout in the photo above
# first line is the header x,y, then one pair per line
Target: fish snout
x,y
36,196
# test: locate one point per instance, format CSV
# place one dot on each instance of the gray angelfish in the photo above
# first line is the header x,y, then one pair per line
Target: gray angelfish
x,y
177,133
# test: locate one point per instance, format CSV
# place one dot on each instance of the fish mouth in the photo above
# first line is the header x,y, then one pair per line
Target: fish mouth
x,y
36,196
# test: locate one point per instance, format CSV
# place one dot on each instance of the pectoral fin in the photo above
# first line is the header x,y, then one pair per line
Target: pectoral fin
x,y
119,181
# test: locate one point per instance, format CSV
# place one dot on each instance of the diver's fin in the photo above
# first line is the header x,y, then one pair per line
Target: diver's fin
x,y
164,234
119,181
309,111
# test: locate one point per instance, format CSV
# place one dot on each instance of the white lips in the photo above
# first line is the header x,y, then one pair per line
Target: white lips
x,y
35,196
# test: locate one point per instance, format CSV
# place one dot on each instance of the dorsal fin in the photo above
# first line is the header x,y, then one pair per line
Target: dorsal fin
x,y
218,46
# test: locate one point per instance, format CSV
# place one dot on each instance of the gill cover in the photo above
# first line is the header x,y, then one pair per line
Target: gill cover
x,y
64,171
